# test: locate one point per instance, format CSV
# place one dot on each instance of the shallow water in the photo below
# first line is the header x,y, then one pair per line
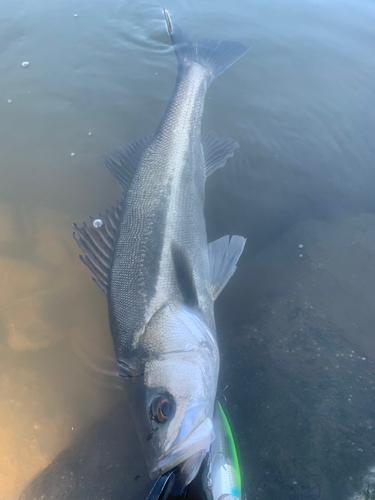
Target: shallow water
x,y
297,333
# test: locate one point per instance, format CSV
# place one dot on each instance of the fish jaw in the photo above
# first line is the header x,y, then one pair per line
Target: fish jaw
x,y
196,445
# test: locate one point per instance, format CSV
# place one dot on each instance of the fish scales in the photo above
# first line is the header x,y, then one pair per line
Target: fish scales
x,y
170,180
151,259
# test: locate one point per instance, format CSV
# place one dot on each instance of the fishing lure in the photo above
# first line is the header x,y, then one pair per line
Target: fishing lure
x,y
222,478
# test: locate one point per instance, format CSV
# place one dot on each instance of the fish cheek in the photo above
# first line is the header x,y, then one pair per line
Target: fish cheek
x,y
163,377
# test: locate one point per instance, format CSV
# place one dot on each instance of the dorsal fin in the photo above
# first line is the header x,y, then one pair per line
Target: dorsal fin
x,y
124,161
217,149
223,255
184,275
96,240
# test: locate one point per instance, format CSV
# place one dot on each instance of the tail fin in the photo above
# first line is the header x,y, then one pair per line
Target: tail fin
x,y
211,54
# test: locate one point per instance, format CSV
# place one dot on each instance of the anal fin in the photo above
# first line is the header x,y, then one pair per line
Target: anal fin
x,y
217,149
96,241
223,255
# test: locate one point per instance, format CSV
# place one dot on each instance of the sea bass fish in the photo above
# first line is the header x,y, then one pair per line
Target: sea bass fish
x,y
150,257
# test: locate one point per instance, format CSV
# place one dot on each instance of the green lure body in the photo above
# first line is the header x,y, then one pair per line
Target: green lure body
x,y
222,479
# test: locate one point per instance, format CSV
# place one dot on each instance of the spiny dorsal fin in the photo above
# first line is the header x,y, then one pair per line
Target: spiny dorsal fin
x,y
96,241
217,149
184,275
125,160
223,255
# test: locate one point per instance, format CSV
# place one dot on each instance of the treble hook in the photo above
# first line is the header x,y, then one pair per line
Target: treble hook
x,y
222,395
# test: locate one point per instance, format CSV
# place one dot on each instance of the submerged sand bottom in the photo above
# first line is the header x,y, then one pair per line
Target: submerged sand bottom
x,y
48,307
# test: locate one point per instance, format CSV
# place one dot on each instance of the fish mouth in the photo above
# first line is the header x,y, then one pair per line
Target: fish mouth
x,y
197,440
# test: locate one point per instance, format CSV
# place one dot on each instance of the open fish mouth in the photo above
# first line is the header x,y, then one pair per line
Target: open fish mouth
x,y
198,440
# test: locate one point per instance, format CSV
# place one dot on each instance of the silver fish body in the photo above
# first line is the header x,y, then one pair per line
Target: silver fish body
x,y
151,258
164,205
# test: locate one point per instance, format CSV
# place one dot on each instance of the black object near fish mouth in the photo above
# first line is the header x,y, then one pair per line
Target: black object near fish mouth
x,y
163,485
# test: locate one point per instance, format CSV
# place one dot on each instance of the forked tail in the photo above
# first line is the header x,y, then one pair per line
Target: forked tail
x,y
214,55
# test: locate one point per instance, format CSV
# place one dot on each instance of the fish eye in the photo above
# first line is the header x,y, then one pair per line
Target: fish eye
x,y
162,408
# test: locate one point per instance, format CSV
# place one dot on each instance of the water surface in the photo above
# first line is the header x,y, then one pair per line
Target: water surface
x,y
295,325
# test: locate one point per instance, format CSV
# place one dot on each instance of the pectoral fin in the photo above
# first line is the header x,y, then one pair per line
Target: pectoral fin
x,y
184,275
223,255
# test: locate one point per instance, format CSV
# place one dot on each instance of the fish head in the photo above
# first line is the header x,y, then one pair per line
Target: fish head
x,y
180,380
